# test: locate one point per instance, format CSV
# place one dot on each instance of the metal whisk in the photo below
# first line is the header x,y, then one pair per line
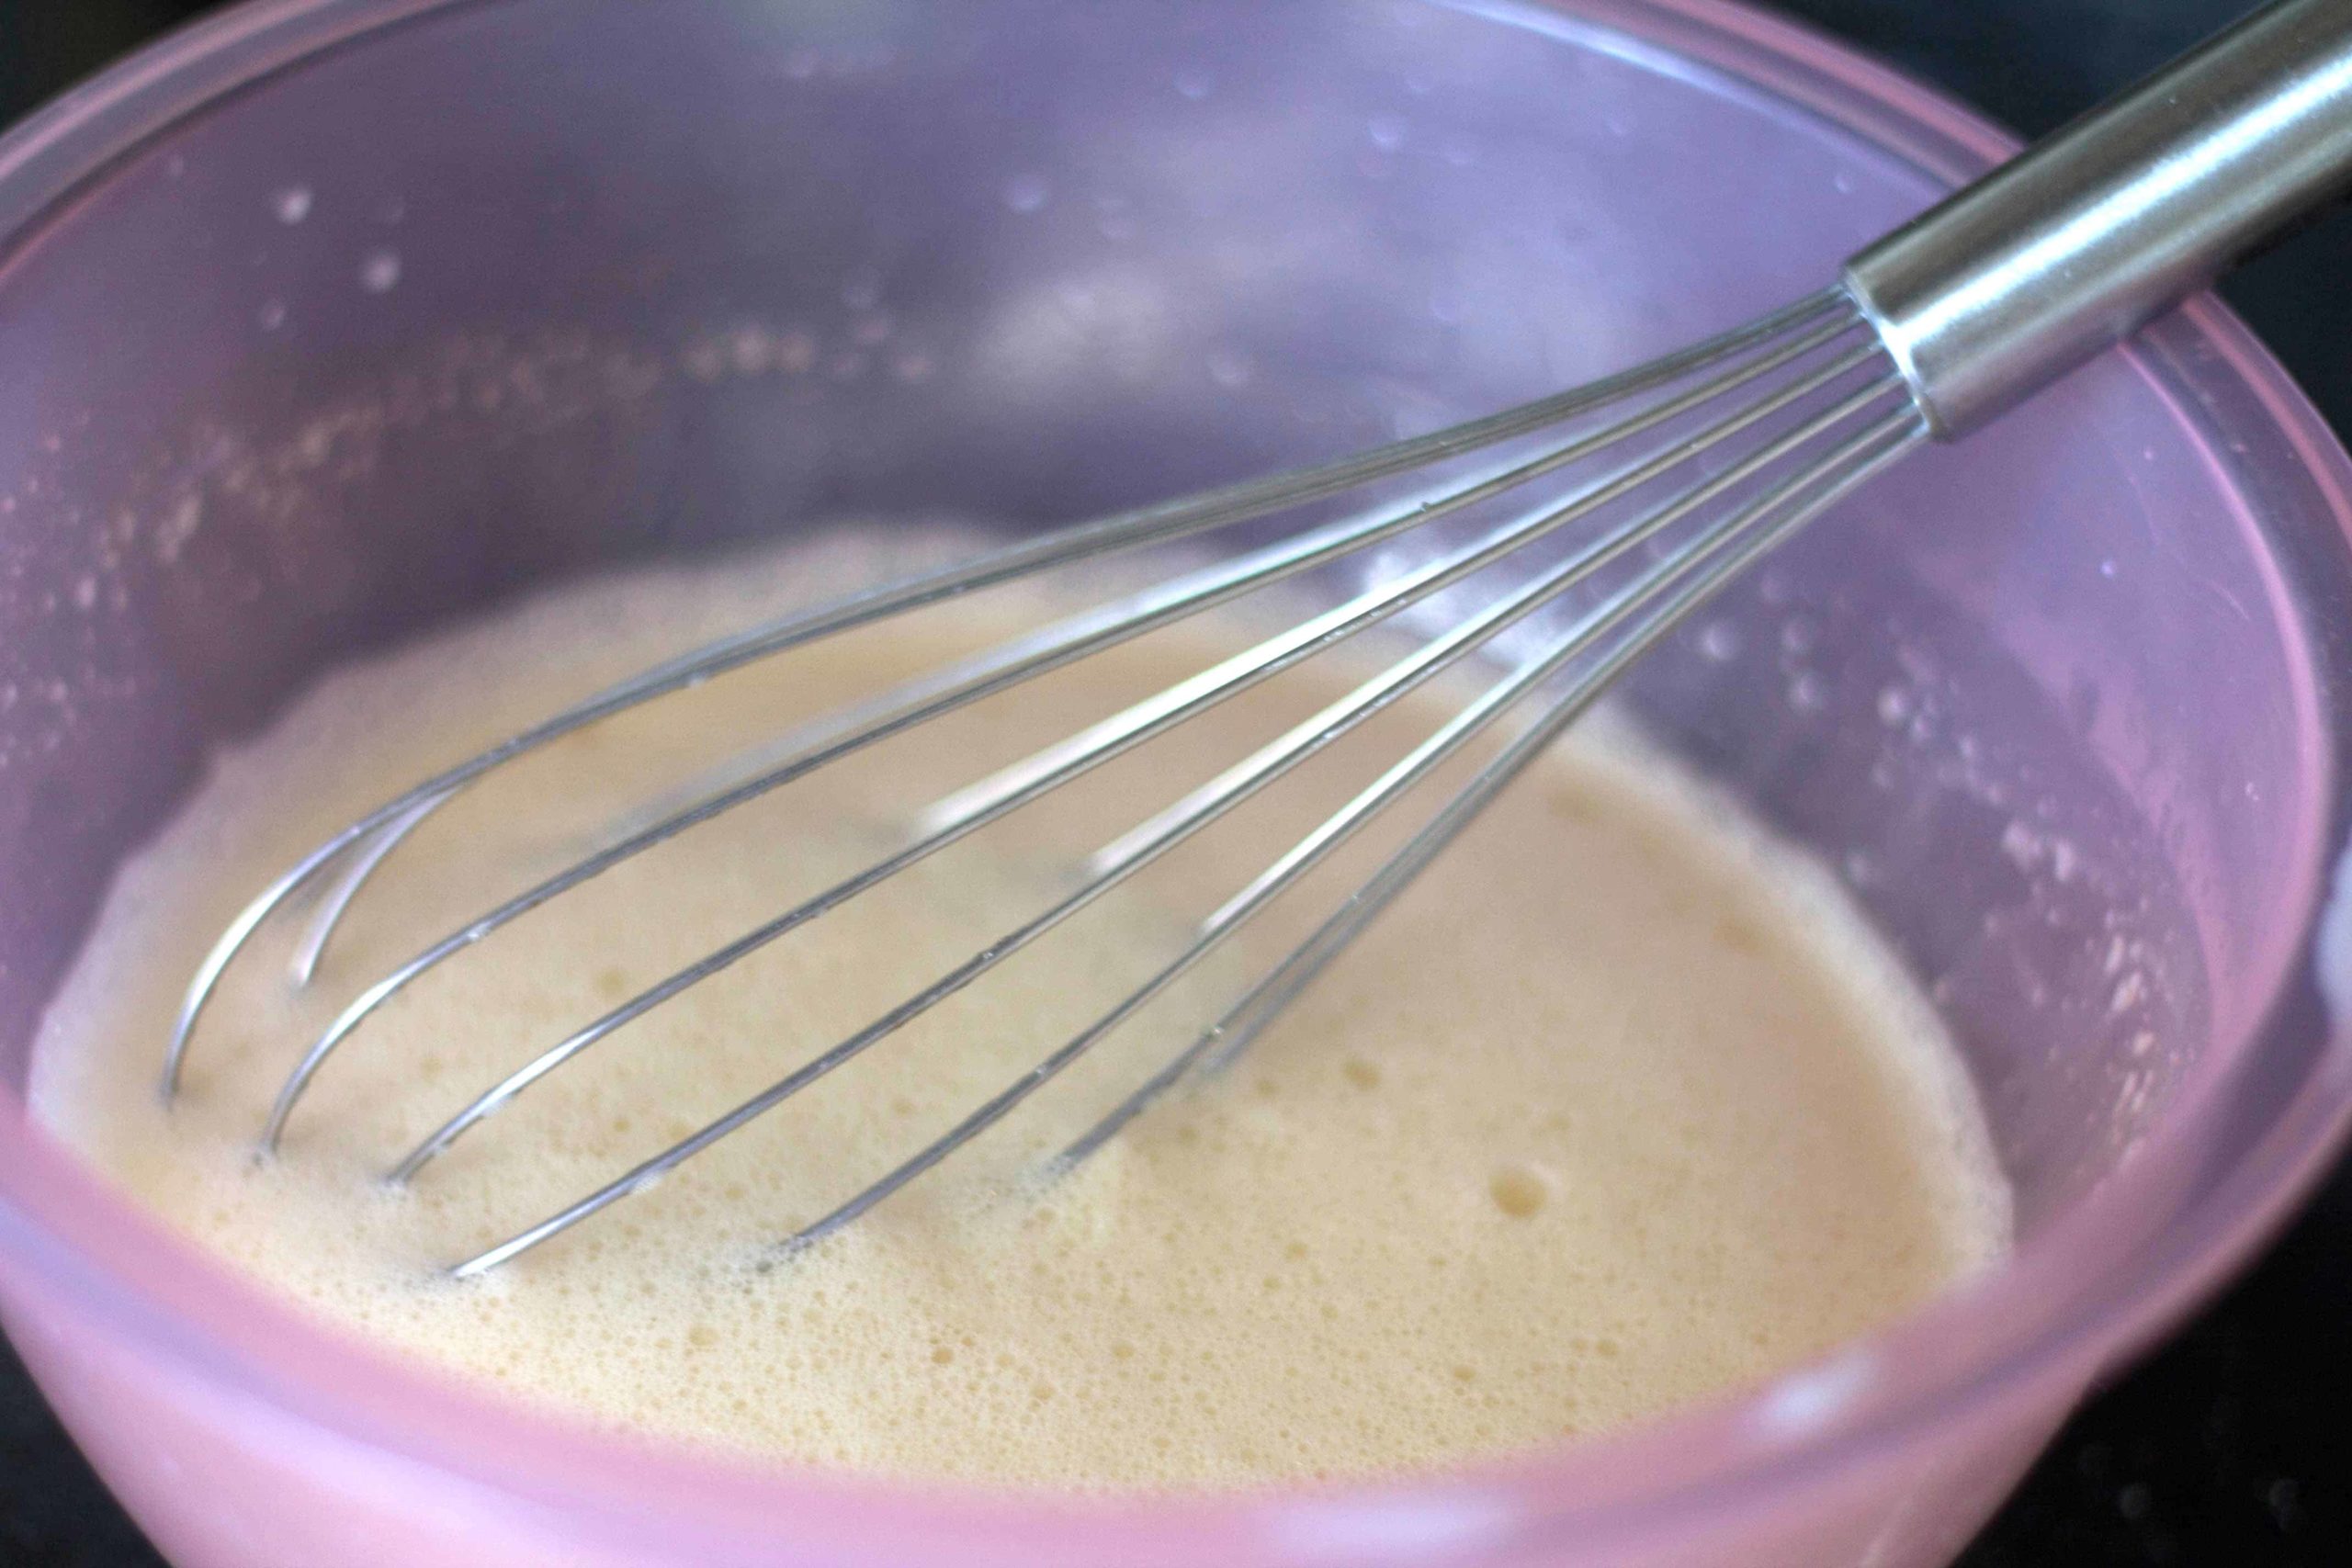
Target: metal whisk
x,y
1686,470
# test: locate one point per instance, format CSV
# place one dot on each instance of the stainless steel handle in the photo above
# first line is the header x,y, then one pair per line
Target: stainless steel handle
x,y
2002,287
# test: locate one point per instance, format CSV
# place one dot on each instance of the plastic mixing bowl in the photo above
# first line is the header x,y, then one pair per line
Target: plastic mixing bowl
x,y
329,322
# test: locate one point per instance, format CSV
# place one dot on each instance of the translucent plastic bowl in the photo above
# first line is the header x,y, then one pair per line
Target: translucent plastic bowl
x,y
330,321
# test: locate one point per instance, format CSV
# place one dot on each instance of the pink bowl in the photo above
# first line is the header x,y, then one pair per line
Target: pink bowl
x,y
332,319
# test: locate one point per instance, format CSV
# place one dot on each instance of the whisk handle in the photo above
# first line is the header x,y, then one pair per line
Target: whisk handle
x,y
2002,287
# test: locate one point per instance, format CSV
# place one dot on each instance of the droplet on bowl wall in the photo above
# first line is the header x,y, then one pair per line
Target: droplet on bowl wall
x,y
1026,193
750,351
379,271
2065,859
177,527
2129,992
1228,369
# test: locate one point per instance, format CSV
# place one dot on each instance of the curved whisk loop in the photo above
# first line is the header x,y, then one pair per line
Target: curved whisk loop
x,y
970,810
1159,522
1698,462
1086,635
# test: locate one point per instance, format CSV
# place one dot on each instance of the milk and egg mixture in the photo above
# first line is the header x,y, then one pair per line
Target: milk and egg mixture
x,y
1622,1104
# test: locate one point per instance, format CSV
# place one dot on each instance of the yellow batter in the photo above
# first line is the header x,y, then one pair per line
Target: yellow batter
x,y
1619,1106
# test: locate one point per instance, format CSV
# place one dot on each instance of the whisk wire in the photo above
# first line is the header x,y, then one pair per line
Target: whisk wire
x,y
950,820
1774,422
1234,1031
1811,488
1401,868
1134,850
1155,524
1598,553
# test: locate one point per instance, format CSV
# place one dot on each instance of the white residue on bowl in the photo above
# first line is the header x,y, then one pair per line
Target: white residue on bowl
x,y
1027,193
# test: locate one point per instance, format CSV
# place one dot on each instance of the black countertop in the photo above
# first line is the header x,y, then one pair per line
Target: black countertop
x,y
2232,1447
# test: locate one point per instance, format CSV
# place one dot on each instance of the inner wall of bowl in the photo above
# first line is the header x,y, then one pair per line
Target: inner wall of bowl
x,y
501,299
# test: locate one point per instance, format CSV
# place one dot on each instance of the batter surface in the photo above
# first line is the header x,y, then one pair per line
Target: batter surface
x,y
1620,1105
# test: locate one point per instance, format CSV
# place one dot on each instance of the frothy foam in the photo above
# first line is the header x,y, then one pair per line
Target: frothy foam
x,y
1620,1105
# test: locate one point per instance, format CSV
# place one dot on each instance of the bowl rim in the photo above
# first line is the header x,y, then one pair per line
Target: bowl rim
x,y
2026,1335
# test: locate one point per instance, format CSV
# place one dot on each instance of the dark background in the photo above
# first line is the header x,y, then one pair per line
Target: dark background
x,y
2231,1448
